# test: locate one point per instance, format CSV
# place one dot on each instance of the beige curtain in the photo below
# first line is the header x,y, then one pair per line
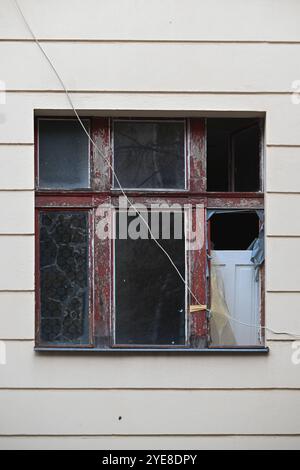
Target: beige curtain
x,y
220,328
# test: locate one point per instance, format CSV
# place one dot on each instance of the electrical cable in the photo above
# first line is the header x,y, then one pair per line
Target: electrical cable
x,y
121,188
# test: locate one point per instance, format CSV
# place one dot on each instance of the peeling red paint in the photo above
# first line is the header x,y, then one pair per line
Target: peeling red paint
x,y
101,162
197,155
198,322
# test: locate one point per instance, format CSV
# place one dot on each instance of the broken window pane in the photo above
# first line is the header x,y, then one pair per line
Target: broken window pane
x,y
233,154
233,230
64,292
234,280
149,294
149,154
63,154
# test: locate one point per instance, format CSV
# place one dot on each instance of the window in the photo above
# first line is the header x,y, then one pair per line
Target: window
x,y
185,271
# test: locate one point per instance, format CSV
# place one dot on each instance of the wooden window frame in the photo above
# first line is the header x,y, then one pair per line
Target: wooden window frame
x,y
101,261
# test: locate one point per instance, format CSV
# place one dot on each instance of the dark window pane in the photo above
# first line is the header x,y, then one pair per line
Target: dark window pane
x,y
149,154
233,230
246,159
63,154
218,154
149,295
233,154
64,276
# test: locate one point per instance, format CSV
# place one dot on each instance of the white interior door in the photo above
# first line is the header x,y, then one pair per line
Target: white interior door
x,y
241,292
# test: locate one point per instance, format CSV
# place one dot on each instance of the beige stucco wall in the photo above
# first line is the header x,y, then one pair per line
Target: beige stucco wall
x,y
191,57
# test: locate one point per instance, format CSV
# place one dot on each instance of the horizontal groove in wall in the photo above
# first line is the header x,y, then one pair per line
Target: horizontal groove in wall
x,y
16,143
276,291
17,290
149,435
19,234
30,340
158,92
282,339
14,190
283,145
154,41
283,192
283,236
150,389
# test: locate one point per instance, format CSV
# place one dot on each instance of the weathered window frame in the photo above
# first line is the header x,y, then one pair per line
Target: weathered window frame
x,y
101,192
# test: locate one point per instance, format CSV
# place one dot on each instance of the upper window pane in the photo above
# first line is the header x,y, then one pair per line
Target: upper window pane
x,y
63,154
233,154
149,154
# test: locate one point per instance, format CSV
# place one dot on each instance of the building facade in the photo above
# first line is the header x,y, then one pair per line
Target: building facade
x,y
196,62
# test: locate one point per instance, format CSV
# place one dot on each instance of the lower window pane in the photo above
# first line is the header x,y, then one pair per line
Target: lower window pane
x,y
149,294
64,291
235,279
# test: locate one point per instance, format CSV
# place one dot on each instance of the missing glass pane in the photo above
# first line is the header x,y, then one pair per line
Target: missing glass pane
x,y
63,154
233,154
64,292
233,230
149,154
149,295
